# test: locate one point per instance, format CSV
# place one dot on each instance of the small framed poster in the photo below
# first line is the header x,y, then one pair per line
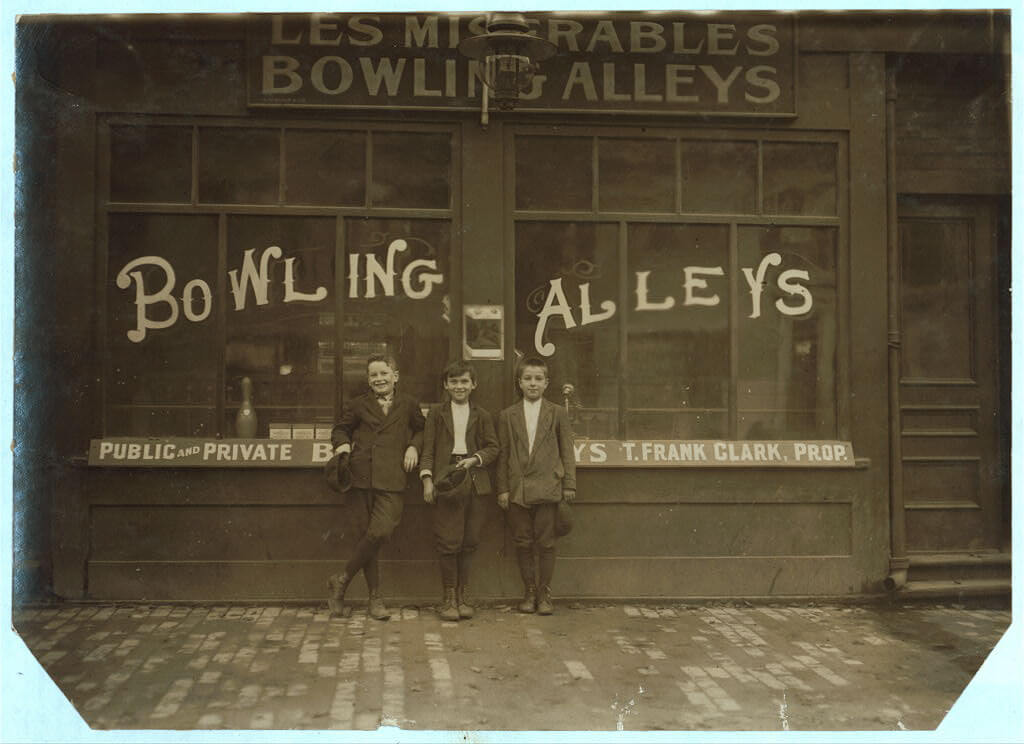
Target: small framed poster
x,y
483,332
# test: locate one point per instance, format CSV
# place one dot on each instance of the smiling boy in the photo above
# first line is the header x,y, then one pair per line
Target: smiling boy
x,y
379,438
536,470
458,444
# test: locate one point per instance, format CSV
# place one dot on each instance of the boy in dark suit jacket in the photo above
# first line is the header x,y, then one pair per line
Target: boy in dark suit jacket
x,y
458,443
378,438
536,470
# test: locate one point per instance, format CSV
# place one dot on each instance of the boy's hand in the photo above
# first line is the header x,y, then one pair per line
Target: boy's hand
x,y
411,458
503,500
428,489
467,462
568,495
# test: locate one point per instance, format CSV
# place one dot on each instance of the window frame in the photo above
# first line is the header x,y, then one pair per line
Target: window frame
x,y
105,207
623,219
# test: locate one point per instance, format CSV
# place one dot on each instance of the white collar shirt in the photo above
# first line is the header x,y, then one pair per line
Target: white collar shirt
x,y
531,409
385,401
460,421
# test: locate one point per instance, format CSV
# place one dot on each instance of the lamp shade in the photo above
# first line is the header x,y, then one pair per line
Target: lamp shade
x,y
508,58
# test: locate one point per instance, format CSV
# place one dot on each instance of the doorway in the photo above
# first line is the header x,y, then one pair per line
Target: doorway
x,y
953,394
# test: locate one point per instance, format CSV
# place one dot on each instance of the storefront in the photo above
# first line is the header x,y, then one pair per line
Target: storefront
x,y
765,256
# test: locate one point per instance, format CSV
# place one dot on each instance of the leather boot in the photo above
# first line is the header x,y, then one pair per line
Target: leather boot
x,y
337,585
449,606
544,606
526,571
376,607
465,604
529,603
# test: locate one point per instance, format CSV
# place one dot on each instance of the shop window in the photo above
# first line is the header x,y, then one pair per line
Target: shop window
x,y
325,167
554,173
721,320
406,313
238,165
161,381
620,191
151,164
678,349
800,178
557,265
280,335
787,354
719,177
197,301
411,170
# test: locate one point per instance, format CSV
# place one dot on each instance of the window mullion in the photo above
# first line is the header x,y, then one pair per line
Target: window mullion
x,y
222,323
194,184
623,299
339,314
734,332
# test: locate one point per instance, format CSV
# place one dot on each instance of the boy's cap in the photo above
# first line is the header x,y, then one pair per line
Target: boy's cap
x,y
563,519
451,481
339,479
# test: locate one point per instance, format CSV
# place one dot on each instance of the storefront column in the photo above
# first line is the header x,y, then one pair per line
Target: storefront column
x,y
482,246
868,309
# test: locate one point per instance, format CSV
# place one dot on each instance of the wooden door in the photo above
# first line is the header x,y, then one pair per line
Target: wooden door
x,y
954,471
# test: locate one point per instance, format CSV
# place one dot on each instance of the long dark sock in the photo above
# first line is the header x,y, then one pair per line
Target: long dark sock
x,y
366,551
371,572
449,571
526,569
547,566
465,561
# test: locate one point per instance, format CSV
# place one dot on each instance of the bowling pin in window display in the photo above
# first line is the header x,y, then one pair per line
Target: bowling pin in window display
x,y
245,419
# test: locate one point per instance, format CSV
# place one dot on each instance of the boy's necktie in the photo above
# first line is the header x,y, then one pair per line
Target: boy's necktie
x,y
385,403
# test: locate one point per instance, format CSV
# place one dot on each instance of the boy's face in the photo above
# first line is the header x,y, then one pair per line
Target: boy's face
x,y
533,381
381,377
459,387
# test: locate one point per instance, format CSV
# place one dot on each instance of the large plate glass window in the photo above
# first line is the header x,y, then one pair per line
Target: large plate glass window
x,y
711,309
224,244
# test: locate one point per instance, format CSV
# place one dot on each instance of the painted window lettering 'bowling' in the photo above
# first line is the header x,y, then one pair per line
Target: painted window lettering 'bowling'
x,y
367,278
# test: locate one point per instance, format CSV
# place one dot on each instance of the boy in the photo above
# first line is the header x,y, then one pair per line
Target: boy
x,y
459,442
536,470
379,438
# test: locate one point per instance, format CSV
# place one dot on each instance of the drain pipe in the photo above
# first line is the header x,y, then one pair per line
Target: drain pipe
x,y
898,560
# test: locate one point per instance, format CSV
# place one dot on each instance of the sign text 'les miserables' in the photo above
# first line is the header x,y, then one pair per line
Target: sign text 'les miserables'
x,y
727,63
597,453
160,304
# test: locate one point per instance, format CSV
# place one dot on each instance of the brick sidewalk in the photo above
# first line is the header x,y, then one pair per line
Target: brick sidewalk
x,y
593,667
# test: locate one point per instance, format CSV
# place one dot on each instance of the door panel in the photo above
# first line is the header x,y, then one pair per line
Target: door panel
x,y
949,375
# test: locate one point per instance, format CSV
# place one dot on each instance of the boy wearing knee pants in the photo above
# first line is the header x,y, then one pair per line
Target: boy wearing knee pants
x,y
536,470
459,442
378,438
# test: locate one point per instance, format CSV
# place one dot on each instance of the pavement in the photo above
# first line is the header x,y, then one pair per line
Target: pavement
x,y
595,667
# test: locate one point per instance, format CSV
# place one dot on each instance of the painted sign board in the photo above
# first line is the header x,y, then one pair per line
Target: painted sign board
x,y
737,64
119,452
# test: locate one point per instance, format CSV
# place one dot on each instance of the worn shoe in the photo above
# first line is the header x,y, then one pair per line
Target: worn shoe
x,y
376,608
544,606
466,609
449,605
337,585
529,603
